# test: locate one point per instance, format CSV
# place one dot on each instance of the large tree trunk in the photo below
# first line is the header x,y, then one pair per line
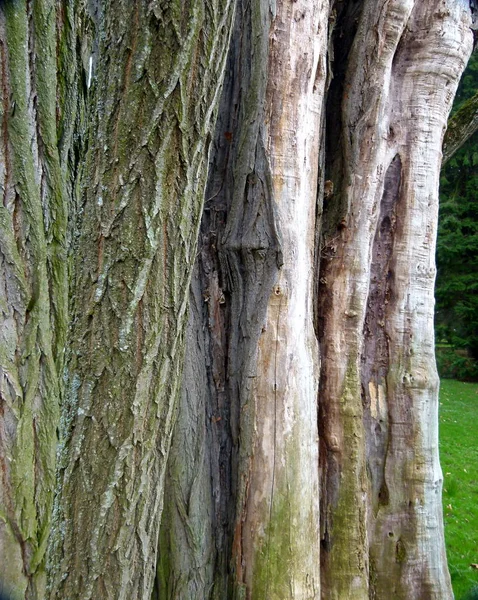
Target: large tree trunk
x,y
280,484
380,478
256,430
156,76
150,77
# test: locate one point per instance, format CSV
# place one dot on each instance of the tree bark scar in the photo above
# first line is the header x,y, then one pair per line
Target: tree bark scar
x,y
375,356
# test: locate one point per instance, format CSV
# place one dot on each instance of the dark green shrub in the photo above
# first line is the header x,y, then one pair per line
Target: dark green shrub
x,y
454,363
472,594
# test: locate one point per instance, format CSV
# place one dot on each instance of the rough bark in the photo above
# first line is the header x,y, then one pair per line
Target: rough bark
x,y
107,112
153,79
33,291
381,481
260,346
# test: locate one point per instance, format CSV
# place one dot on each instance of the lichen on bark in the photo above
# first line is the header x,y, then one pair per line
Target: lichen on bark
x,y
34,293
153,84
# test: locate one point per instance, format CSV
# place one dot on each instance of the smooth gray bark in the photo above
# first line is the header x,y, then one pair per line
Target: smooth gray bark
x,y
381,483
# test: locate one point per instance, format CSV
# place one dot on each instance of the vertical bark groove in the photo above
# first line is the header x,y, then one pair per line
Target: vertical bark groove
x,y
152,96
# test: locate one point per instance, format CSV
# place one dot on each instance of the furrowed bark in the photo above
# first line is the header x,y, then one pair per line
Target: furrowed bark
x,y
107,113
153,84
33,291
381,505
189,547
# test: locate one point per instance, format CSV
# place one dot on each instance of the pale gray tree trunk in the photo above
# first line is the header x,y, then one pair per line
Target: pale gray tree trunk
x,y
381,480
394,68
254,438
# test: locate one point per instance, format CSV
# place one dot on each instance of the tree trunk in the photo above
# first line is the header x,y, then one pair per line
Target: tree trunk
x,y
155,82
381,480
33,291
381,483
107,114
150,78
257,432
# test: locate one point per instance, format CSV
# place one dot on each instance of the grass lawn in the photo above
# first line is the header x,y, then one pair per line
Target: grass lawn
x,y
459,460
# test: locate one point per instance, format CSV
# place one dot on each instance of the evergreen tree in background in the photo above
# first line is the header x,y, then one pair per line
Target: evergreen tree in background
x,y
457,251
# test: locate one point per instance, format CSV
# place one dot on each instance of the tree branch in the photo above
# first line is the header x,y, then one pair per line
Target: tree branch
x,y
461,127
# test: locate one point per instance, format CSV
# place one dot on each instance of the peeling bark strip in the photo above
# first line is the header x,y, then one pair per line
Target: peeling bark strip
x,y
33,295
381,481
153,84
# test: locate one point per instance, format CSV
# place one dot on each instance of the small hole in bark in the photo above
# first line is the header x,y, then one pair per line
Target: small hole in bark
x,y
390,534
277,290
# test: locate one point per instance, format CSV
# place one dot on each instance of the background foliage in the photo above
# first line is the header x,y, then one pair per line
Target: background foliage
x,y
457,253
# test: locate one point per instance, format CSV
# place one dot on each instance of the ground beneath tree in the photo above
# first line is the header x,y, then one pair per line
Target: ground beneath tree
x,y
459,459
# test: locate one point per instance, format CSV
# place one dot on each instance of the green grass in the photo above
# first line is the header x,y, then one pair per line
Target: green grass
x,y
459,459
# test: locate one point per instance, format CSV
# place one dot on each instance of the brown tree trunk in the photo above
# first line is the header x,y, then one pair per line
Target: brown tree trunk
x,y
155,78
120,138
33,291
280,484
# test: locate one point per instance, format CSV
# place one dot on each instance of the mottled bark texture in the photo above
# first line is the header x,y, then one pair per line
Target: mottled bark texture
x,y
254,439
461,127
33,290
155,71
107,111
